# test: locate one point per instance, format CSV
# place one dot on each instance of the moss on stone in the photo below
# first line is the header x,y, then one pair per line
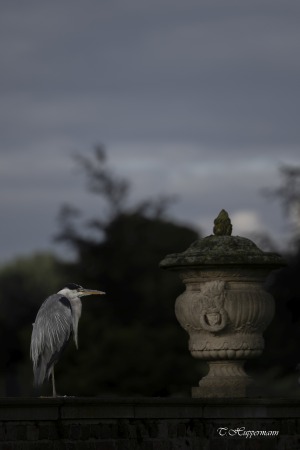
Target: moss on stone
x,y
221,250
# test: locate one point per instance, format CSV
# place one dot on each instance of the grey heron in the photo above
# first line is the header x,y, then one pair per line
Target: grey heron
x,y
55,323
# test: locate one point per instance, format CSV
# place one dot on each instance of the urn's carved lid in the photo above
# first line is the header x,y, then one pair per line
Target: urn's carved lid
x,y
222,249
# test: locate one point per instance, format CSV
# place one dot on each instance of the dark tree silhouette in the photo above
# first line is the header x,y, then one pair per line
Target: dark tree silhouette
x,y
131,342
279,362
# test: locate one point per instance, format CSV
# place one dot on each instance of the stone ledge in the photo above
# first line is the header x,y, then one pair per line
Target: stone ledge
x,y
27,409
149,424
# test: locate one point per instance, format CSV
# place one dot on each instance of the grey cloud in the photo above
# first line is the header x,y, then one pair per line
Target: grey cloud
x,y
186,95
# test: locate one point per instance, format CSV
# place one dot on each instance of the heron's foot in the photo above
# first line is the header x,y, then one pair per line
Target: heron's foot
x,y
56,396
64,396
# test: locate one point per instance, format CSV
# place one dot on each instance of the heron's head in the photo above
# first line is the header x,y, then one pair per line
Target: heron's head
x,y
73,290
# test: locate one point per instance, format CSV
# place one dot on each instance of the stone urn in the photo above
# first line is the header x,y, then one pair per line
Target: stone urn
x,y
224,308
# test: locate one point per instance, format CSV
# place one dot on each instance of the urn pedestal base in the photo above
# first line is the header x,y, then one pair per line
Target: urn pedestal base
x,y
224,379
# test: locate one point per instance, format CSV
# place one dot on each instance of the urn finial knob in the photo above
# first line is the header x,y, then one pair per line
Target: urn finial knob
x,y
222,224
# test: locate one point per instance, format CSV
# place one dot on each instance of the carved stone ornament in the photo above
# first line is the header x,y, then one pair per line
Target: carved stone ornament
x,y
213,316
222,224
224,307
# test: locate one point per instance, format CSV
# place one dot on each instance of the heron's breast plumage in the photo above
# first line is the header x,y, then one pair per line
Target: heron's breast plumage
x,y
52,328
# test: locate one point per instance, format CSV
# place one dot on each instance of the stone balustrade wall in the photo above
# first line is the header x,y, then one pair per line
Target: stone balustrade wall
x,y
149,424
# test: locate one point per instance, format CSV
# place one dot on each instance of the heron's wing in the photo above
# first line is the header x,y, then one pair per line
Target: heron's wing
x,y
50,334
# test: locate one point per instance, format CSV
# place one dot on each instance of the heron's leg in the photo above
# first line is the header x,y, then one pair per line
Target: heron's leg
x,y
53,382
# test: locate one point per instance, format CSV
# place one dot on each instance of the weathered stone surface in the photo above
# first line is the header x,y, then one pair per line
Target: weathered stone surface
x,y
222,224
222,250
156,423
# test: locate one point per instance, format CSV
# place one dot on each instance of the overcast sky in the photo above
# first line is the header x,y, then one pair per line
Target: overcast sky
x,y
199,99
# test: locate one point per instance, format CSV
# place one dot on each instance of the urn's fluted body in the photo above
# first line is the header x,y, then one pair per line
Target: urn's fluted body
x,y
225,308
225,319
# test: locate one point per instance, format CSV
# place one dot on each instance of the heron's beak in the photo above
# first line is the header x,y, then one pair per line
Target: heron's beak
x,y
84,292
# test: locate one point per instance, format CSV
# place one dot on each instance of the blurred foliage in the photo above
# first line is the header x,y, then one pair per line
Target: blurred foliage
x,y
278,367
129,341
288,195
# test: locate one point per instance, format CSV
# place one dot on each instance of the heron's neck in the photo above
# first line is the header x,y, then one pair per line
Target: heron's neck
x,y
76,306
